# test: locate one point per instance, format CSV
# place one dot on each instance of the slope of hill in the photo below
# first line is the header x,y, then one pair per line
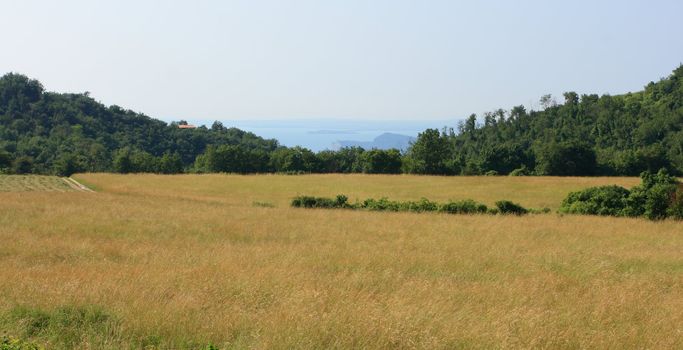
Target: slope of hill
x,y
47,132
585,135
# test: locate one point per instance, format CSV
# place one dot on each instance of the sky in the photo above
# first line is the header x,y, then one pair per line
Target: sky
x,y
337,59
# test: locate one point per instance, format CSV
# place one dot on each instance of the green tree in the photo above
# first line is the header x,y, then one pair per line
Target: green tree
x,y
66,165
5,161
566,159
122,161
22,165
295,159
429,154
143,162
170,163
378,161
345,160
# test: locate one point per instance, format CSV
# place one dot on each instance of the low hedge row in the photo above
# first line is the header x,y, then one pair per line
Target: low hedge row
x,y
467,206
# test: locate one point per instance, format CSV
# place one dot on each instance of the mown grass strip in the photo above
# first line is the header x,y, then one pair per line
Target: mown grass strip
x,y
33,183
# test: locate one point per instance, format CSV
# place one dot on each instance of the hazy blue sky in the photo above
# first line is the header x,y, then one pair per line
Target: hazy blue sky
x,y
350,59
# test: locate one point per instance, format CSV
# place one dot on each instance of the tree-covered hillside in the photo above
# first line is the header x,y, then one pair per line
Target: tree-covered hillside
x,y
584,135
52,133
45,132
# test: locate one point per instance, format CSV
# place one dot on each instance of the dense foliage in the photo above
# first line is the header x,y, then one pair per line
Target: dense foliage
x,y
586,135
466,206
51,133
46,132
658,196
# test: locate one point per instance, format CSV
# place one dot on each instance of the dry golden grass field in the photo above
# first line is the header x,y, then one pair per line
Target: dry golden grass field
x,y
188,260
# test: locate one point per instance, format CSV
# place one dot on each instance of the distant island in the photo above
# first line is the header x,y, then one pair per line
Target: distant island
x,y
385,141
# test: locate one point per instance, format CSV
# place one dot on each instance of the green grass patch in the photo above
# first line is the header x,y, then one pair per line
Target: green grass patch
x,y
79,327
65,327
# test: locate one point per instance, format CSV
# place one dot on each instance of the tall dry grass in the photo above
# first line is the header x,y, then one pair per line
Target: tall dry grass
x,y
240,190
181,261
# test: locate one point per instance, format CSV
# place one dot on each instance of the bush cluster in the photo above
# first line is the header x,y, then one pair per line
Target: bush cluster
x,y
466,206
658,196
320,202
507,207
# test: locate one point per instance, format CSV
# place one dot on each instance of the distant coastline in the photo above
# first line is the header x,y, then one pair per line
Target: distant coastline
x,y
325,134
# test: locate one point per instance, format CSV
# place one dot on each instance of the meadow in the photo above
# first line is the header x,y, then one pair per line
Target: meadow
x,y
183,261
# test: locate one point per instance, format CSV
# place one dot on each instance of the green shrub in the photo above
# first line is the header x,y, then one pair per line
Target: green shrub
x,y
313,202
660,190
466,206
382,204
603,200
491,173
422,205
635,203
658,200
341,201
655,198
508,207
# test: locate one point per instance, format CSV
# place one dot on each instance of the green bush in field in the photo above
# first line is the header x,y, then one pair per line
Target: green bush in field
x,y
655,194
422,205
341,201
655,198
603,200
508,207
320,202
466,206
382,204
311,202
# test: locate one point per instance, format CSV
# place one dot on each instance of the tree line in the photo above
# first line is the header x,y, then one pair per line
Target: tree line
x,y
51,133
585,135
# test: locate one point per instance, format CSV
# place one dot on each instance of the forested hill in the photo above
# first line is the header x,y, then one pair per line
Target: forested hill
x,y
47,132
51,133
582,135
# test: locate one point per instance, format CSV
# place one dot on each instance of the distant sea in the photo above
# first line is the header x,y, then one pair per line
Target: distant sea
x,y
322,134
